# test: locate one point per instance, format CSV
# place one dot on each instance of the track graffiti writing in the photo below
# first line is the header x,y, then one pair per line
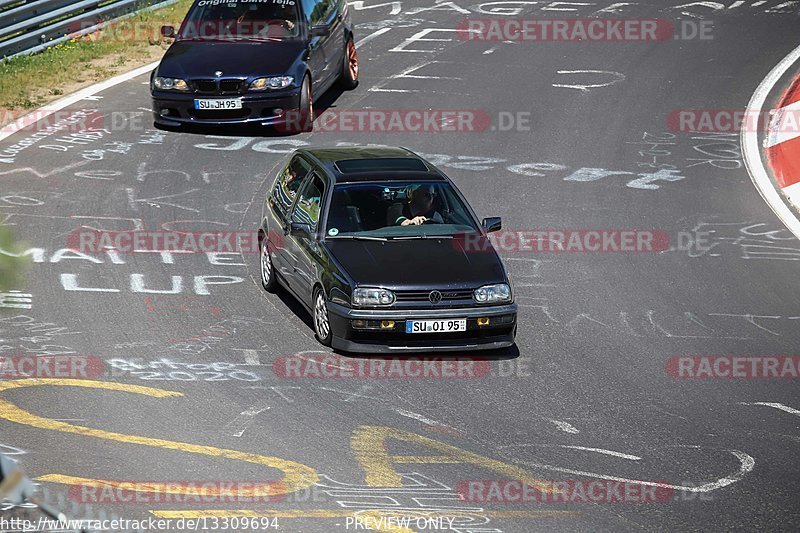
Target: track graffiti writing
x,y
634,180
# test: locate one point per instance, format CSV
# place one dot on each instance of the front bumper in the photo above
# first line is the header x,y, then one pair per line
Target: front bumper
x,y
175,109
491,337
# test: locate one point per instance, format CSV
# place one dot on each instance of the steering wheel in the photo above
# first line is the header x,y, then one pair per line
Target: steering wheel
x,y
431,221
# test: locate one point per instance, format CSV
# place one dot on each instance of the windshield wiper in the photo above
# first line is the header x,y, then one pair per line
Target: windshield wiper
x,y
359,238
423,236
258,39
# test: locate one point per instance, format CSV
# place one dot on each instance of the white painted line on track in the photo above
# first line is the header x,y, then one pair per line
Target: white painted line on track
x,y
751,151
371,36
782,407
381,90
604,452
422,418
240,424
746,464
87,92
251,357
566,427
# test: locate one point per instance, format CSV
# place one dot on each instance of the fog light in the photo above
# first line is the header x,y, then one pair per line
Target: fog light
x,y
484,321
277,111
363,323
165,112
387,324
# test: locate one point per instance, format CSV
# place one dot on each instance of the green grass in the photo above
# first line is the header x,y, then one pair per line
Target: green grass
x,y
11,267
31,81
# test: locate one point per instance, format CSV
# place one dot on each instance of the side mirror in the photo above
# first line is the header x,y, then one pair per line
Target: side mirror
x,y
168,31
491,224
300,228
322,30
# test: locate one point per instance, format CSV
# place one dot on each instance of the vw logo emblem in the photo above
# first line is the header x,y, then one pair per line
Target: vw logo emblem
x,y
435,297
218,73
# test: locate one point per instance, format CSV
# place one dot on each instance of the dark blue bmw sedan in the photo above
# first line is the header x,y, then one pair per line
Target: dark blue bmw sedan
x,y
254,62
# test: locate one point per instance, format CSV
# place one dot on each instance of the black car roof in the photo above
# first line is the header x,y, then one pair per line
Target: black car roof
x,y
372,163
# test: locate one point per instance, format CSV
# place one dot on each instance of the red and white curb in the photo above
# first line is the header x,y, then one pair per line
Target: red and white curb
x,y
782,145
780,185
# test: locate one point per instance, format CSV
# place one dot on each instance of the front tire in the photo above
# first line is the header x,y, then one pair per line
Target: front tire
x,y
322,323
348,79
268,279
306,108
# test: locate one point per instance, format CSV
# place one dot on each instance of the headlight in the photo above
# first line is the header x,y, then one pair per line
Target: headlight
x,y
170,84
490,294
369,297
276,82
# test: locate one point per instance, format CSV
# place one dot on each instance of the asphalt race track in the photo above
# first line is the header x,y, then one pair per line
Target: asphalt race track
x,y
586,395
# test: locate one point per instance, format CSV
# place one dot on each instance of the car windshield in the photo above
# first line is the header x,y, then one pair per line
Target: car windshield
x,y
250,20
397,210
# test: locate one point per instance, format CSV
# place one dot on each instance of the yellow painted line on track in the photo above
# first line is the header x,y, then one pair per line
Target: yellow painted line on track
x,y
370,445
296,475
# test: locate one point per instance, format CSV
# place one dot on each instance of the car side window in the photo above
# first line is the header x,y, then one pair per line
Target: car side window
x,y
308,8
322,10
287,185
307,209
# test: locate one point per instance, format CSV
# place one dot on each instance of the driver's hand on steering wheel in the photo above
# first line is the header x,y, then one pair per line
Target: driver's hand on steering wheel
x,y
416,221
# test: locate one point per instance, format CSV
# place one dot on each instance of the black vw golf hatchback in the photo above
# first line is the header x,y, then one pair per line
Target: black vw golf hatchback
x,y
385,253
254,62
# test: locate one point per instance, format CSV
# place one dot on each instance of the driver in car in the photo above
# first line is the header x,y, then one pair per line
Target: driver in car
x,y
257,18
419,208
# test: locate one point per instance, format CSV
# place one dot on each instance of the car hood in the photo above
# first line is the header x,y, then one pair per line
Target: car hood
x,y
416,264
200,59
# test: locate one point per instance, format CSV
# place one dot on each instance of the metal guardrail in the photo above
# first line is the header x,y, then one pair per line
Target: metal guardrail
x,y
23,503
28,26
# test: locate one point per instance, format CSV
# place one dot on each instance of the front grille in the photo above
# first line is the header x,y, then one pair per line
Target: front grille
x,y
223,86
423,296
205,86
230,86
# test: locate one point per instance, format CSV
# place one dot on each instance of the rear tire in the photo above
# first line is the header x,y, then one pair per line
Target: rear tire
x,y
348,79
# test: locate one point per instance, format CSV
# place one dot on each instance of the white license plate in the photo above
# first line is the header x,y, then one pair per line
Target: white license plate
x,y
436,326
219,103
